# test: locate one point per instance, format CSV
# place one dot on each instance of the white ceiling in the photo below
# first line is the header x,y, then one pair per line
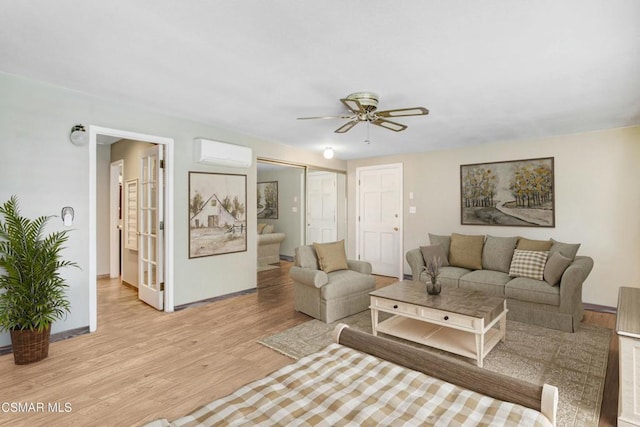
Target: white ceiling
x,y
492,70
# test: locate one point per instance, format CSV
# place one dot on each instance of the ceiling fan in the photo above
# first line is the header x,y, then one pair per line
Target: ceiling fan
x,y
363,107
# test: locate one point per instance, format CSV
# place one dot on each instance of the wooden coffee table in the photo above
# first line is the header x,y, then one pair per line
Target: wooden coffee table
x,y
458,321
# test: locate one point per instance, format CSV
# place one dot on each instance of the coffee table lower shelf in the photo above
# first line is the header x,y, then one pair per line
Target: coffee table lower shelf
x,y
441,337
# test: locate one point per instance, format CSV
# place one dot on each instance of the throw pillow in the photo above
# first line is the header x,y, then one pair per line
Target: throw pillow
x,y
466,251
567,249
331,256
268,229
556,265
533,245
261,227
306,257
528,264
434,251
497,253
444,241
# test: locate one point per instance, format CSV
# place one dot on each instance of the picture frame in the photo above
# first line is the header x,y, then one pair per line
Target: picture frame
x,y
518,193
217,214
267,200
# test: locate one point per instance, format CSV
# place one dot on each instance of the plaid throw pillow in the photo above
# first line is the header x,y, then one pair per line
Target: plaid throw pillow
x,y
528,264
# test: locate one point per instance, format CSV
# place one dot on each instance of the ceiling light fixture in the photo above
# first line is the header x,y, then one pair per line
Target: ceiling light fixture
x,y
328,153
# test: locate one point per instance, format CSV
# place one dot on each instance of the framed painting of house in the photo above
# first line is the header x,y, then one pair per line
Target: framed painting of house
x,y
217,214
510,193
268,200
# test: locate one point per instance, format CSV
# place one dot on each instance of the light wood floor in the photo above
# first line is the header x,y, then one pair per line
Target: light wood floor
x,y
143,364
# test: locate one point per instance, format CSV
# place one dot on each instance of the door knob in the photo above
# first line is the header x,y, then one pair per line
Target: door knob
x,y
395,228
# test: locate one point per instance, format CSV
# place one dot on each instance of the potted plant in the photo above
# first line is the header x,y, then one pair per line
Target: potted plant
x,y
432,269
32,292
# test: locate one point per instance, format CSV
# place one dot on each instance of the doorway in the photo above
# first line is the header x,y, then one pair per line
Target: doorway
x,y
167,145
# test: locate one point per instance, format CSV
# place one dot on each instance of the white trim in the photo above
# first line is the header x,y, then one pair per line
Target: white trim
x,y
169,225
116,170
400,210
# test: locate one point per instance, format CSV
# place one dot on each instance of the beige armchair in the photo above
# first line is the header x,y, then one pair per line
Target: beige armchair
x,y
329,296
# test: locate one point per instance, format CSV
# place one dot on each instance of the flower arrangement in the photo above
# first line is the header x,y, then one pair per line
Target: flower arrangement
x,y
432,268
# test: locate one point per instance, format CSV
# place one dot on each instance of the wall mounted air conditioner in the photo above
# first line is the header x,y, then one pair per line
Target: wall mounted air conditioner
x,y
221,154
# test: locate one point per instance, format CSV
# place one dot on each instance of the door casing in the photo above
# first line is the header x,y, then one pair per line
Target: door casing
x,y
115,263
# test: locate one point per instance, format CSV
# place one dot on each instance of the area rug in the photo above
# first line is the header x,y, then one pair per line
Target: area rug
x,y
576,363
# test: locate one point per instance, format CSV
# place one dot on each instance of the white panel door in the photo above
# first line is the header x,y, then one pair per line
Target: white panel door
x,y
322,201
151,243
379,218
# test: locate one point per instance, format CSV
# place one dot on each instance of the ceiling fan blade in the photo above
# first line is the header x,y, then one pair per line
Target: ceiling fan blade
x,y
388,124
353,105
345,127
325,117
415,111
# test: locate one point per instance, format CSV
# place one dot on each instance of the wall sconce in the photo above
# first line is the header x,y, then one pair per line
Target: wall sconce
x,y
78,135
67,215
328,153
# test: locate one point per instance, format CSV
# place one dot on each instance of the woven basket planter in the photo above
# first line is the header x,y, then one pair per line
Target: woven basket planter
x,y
30,346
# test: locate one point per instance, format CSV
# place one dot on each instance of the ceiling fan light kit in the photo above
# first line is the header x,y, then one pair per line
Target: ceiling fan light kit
x,y
363,107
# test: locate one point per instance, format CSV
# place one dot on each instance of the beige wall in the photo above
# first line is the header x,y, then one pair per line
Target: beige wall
x,y
597,178
103,172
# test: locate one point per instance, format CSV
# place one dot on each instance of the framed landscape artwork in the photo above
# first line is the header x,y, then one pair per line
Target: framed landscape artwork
x,y
268,200
511,193
217,214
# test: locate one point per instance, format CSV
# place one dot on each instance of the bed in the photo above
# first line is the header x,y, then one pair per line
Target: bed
x,y
367,380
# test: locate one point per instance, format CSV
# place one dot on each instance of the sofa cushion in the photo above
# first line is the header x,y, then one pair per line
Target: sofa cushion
x,y
305,257
528,264
466,251
538,291
261,226
567,249
556,265
486,281
434,251
444,241
533,245
497,253
331,256
448,277
346,282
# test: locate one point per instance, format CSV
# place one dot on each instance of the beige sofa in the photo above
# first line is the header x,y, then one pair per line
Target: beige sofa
x,y
269,245
539,302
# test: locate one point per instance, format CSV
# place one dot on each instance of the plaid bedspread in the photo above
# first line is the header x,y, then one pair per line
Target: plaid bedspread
x,y
340,386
